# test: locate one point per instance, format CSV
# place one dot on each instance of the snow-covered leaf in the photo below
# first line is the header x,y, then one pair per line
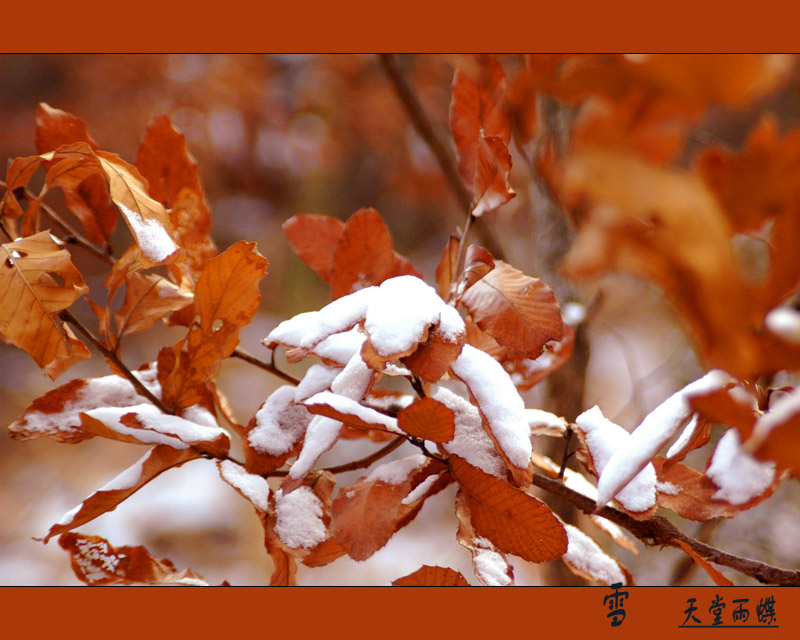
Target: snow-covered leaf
x,y
587,560
491,566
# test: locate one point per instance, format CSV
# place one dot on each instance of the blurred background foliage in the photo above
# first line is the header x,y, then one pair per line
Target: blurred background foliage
x,y
274,136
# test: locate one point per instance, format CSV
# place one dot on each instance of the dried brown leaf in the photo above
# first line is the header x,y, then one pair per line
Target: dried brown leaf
x,y
98,563
446,269
428,419
314,239
511,519
37,280
714,574
433,356
486,559
55,128
518,311
427,576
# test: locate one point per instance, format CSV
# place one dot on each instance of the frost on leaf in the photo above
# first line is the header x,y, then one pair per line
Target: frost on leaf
x,y
427,576
106,498
366,514
37,280
96,562
482,131
511,519
602,439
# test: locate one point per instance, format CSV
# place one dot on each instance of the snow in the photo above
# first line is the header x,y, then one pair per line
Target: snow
x,y
489,565
340,315
252,486
340,347
398,471
584,554
158,428
390,401
95,559
739,476
279,424
498,400
354,380
545,422
318,378
682,440
784,322
128,478
420,490
470,440
290,332
152,238
604,438
199,415
653,433
402,310
350,407
108,391
668,488
299,518
321,434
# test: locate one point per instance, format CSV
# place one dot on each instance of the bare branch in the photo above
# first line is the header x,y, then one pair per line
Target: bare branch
x,y
266,366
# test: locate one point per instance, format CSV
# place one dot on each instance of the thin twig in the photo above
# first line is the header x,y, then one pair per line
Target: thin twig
x,y
266,366
567,454
362,463
75,236
661,532
110,355
424,129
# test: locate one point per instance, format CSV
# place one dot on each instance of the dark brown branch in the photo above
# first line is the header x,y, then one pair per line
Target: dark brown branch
x,y
76,237
424,129
266,366
659,531
110,355
362,463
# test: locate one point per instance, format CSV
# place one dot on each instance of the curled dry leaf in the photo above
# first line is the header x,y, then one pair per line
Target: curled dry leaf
x,y
518,311
511,519
427,576
446,269
719,579
428,419
106,498
350,412
37,280
96,562
433,356
226,298
482,131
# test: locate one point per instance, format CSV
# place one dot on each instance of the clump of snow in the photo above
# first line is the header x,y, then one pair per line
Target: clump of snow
x,y
545,422
683,439
95,559
318,378
128,478
420,490
402,310
498,400
340,347
354,380
199,415
604,438
584,554
340,315
653,433
321,434
153,240
350,407
668,488
398,471
299,518
390,401
784,322
279,423
252,486
739,476
489,565
185,430
470,440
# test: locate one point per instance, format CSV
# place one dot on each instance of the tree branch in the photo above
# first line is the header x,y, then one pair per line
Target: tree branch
x,y
266,366
424,128
110,355
362,463
660,531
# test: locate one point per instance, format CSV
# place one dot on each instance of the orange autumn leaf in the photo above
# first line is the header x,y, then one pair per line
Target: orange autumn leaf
x,y
314,238
55,128
226,298
428,419
518,311
37,280
482,131
719,579
446,269
511,519
96,562
365,255
427,576
491,566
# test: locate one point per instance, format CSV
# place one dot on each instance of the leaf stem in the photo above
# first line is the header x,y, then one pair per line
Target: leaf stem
x,y
266,366
110,355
